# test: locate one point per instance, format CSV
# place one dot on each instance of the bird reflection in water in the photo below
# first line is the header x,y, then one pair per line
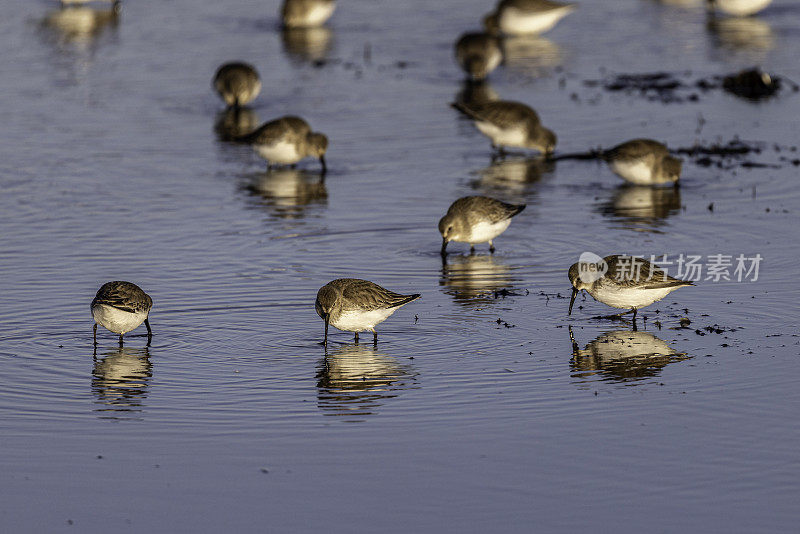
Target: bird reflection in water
x,y
530,54
288,192
119,381
355,380
80,26
622,355
476,279
741,34
234,122
472,93
642,208
309,45
515,174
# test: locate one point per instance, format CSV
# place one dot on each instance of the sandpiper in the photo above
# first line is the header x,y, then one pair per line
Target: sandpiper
x,y
478,54
121,307
517,17
355,305
739,8
287,140
476,219
510,124
237,83
643,162
306,13
622,282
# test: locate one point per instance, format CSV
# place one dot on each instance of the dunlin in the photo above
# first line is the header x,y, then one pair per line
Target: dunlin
x,y
478,54
287,140
622,282
237,83
306,13
476,220
739,8
644,162
517,17
121,307
355,305
510,124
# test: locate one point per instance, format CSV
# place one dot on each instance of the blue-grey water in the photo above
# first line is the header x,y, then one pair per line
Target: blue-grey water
x,y
475,412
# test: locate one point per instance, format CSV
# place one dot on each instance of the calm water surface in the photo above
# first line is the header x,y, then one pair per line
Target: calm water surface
x,y
483,408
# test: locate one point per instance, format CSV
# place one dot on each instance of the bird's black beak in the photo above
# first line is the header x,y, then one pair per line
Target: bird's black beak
x,y
444,246
327,320
572,300
575,348
324,165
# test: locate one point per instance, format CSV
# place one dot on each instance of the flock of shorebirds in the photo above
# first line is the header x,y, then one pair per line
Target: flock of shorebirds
x,y
356,305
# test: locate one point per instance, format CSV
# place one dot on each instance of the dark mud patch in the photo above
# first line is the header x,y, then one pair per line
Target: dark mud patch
x,y
678,88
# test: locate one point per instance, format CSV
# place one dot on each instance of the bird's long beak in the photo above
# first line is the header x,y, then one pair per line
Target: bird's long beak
x,y
324,165
444,246
572,300
575,348
327,320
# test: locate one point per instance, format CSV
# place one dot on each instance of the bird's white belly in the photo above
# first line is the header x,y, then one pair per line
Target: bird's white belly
x,y
515,137
319,13
282,152
742,8
635,171
493,60
629,297
514,21
358,321
485,231
116,320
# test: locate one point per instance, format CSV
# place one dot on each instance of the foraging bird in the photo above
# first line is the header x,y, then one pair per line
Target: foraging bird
x,y
478,54
518,17
622,282
306,13
237,83
476,219
738,8
644,162
510,124
287,140
355,305
121,307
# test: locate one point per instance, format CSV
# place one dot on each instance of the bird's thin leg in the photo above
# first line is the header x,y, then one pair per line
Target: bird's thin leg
x,y
374,337
120,340
356,337
471,248
491,247
94,331
149,332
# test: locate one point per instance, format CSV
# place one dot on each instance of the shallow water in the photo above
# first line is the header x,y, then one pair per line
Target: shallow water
x,y
475,412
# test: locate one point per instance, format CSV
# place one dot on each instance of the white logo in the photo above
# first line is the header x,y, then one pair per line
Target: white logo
x,y
591,267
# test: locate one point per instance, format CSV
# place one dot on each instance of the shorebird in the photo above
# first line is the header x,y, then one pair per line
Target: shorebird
x,y
478,54
622,282
306,13
287,140
510,124
643,162
121,307
476,219
517,17
355,305
237,83
739,8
